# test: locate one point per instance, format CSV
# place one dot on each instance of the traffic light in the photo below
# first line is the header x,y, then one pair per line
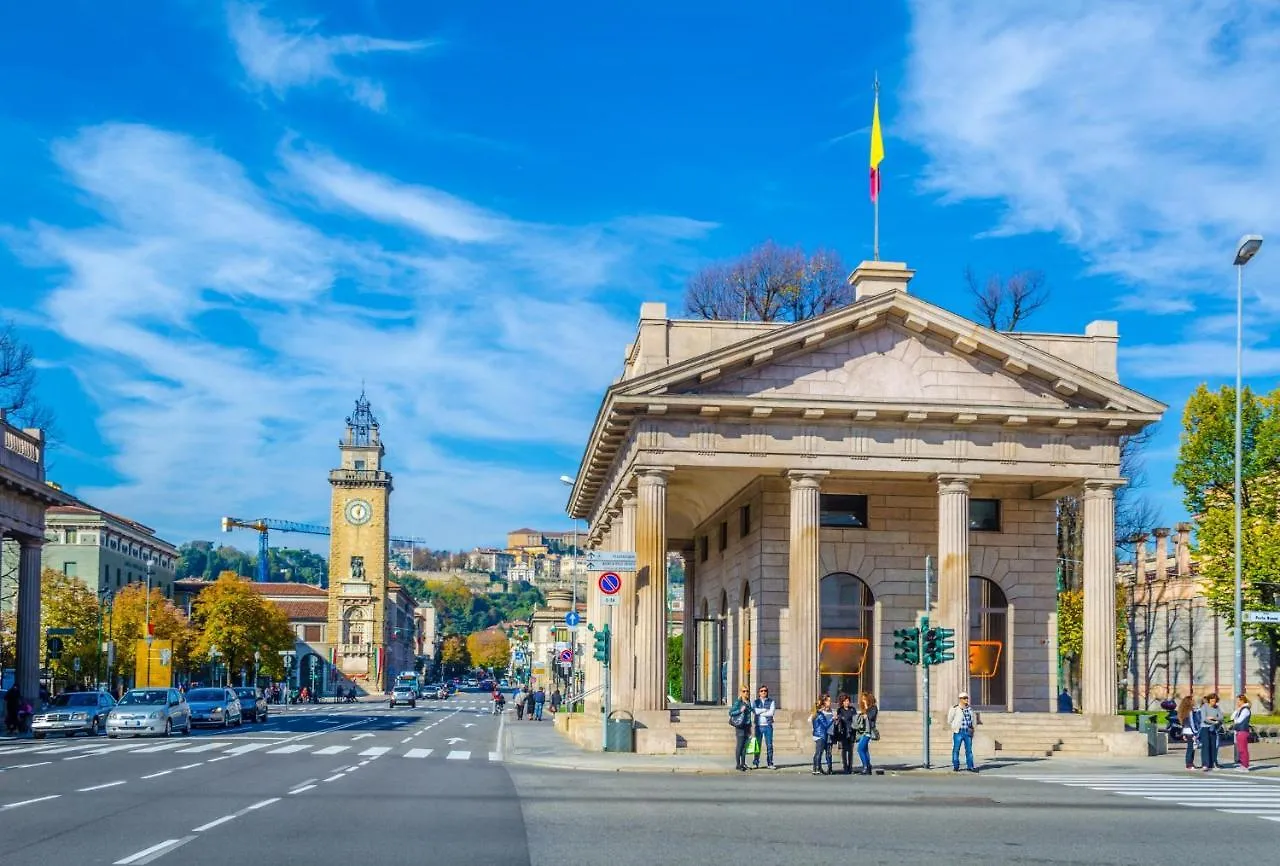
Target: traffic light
x,y
602,646
938,645
906,645
54,647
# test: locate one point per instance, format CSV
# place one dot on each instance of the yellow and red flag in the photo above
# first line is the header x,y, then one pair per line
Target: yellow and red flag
x,y
877,150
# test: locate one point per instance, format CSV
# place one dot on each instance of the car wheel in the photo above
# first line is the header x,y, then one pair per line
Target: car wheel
x,y
37,736
168,727
111,736
264,717
93,728
226,721
69,734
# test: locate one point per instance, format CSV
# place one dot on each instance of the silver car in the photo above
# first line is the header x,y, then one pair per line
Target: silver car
x,y
72,713
214,706
149,711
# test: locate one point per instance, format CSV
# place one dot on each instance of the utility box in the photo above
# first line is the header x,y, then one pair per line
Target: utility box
x,y
620,733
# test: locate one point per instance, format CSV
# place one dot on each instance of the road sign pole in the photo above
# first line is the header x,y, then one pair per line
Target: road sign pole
x,y
924,698
608,689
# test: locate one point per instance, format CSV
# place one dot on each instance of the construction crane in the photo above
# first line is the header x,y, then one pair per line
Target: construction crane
x,y
265,525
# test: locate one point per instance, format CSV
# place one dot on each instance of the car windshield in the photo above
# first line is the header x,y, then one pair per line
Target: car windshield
x,y
79,699
145,696
247,693
206,695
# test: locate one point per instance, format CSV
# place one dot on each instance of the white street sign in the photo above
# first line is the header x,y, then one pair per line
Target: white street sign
x,y
611,560
1262,616
611,600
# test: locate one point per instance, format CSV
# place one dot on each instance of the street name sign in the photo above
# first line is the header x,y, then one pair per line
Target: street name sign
x,y
1262,616
611,560
66,631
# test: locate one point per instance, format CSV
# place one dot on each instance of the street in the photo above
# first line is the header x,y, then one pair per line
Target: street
x,y
335,784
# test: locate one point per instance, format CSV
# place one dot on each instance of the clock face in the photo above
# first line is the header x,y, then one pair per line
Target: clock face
x,y
358,512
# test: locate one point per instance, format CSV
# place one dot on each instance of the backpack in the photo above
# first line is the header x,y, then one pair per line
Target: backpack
x,y
741,718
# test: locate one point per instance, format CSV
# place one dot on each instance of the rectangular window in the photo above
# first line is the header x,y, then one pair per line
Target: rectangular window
x,y
984,515
72,537
69,569
744,521
359,464
702,548
722,543
843,511
311,633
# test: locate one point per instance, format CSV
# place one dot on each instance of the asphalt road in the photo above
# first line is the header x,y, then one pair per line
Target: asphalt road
x,y
347,784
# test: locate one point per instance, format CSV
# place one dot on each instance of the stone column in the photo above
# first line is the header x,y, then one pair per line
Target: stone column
x,y
1099,660
689,654
651,581
951,678
623,652
28,669
1161,534
803,565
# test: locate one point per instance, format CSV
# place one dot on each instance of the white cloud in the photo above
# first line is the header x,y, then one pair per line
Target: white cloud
x,y
223,335
1140,131
280,56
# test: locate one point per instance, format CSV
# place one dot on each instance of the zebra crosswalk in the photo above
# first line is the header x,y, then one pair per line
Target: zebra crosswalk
x,y
1221,793
229,748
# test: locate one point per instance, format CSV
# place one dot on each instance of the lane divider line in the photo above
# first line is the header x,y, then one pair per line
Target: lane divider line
x,y
303,788
99,787
8,806
214,823
146,855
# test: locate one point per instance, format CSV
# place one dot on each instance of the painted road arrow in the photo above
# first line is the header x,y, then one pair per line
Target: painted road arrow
x,y
362,736
453,741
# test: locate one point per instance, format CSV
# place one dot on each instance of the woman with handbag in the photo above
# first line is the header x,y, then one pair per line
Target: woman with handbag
x,y
741,716
867,731
1240,725
843,731
822,720
1189,718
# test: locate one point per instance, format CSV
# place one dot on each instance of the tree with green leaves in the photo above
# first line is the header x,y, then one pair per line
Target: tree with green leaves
x,y
1205,471
236,620
66,602
454,657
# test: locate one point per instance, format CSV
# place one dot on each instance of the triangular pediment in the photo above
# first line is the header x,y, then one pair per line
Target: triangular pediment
x,y
897,348
889,363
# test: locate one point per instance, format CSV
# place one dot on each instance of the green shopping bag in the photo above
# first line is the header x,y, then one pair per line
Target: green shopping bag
x,y
753,746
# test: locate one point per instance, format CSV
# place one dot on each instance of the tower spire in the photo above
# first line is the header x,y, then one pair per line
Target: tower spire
x,y
362,426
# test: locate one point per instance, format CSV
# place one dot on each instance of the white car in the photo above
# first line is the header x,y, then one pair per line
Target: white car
x,y
149,711
404,695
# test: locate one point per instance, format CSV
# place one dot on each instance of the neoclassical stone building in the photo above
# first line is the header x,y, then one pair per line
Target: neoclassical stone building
x,y
807,471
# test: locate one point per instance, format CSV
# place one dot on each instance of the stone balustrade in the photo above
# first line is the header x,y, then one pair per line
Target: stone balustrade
x,y
22,452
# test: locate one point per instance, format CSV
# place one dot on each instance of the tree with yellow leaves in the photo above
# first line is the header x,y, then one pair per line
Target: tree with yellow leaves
x,y
237,621
65,602
489,649
128,626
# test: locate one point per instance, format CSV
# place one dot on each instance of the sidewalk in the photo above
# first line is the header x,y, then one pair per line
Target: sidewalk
x,y
539,744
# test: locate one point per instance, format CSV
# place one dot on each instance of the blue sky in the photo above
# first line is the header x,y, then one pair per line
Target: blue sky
x,y
219,219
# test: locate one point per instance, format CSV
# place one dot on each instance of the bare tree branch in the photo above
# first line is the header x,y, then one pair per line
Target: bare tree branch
x,y
769,284
1005,304
18,399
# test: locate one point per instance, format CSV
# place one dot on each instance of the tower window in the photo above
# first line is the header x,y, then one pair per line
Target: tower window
x,y
359,464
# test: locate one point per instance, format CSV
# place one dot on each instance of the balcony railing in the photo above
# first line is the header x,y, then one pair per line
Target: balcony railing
x,y
22,452
359,475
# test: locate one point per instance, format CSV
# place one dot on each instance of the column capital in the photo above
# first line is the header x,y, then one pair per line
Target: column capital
x,y
653,474
806,477
626,497
1160,532
955,483
29,542
1104,488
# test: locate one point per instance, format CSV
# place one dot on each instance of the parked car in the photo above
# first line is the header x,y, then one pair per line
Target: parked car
x,y
404,695
149,711
71,713
215,706
253,704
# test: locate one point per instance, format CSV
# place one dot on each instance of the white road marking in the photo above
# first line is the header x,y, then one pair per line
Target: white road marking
x,y
204,747
417,753
495,756
331,750
288,750
160,748
7,806
214,823
223,758
26,766
241,750
100,787
1222,794
157,775
334,777
260,804
303,788
458,756
405,740
374,751
146,855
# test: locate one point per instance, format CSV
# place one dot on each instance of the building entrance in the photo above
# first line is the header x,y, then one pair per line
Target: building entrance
x,y
709,680
844,644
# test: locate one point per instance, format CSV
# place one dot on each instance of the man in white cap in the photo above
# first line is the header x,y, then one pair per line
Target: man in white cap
x,y
962,718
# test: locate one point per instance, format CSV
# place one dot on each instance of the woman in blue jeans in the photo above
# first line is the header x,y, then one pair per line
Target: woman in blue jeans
x,y
1189,718
867,713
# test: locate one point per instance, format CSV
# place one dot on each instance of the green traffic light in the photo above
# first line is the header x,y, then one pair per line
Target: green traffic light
x,y
907,645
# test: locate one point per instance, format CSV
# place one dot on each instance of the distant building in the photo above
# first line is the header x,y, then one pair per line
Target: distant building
x,y
107,551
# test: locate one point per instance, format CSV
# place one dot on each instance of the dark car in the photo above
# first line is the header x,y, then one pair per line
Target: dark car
x,y
253,704
214,706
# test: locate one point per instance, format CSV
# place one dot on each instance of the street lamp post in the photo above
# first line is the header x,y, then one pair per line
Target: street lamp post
x,y
572,678
1245,250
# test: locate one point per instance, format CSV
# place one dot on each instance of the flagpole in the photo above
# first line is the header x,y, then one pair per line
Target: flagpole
x,y
875,242
875,201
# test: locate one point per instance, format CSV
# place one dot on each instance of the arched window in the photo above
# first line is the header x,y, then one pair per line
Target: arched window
x,y
746,613
988,633
845,638
354,626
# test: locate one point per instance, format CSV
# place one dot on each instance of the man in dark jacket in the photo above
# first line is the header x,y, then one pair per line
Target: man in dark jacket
x,y
539,698
12,700
529,703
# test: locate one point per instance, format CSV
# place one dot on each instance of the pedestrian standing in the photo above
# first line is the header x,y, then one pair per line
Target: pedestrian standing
x,y
1211,723
764,708
1240,725
518,698
962,719
740,716
822,720
843,730
1189,718
867,731
12,701
530,703
539,699
556,700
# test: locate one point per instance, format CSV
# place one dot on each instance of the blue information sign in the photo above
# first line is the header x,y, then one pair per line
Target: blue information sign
x,y
572,619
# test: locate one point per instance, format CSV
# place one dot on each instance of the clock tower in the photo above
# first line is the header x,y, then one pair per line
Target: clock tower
x,y
359,542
